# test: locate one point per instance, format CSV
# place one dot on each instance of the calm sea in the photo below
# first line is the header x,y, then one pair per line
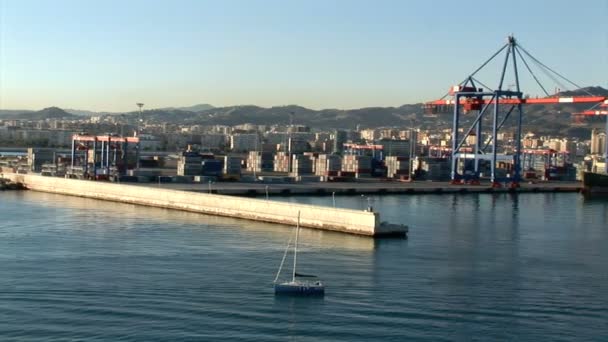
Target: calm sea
x,y
532,267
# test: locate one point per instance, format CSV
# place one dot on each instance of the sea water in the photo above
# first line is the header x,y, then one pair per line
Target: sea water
x,y
529,267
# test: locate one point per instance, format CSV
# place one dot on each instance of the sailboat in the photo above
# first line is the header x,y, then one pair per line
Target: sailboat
x,y
300,284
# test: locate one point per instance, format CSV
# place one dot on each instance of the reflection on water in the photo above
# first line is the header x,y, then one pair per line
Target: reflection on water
x,y
97,212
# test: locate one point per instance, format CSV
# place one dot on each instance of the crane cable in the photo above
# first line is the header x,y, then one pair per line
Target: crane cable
x,y
553,71
530,71
477,70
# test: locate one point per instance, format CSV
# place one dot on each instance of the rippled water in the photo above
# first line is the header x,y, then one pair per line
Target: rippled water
x,y
487,267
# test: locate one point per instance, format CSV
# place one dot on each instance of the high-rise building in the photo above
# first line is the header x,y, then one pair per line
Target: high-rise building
x,y
598,142
339,140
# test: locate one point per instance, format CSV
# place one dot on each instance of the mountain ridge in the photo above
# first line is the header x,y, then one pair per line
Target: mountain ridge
x,y
553,117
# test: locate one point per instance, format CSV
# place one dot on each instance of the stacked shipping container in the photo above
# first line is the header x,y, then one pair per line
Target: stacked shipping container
x,y
397,166
358,166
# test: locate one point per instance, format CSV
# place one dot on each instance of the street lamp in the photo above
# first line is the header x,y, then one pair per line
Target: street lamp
x,y
139,119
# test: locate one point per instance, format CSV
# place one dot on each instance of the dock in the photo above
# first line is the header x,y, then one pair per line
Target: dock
x,y
371,187
359,222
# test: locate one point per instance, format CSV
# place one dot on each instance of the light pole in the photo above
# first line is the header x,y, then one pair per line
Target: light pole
x,y
289,142
139,119
255,163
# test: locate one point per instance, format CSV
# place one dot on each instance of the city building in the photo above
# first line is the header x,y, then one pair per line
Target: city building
x,y
213,141
243,142
598,142
392,147
339,138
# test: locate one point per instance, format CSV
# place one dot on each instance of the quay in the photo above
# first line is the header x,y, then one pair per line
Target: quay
x,y
360,222
371,187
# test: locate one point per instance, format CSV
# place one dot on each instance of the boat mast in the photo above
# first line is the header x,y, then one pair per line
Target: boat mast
x,y
295,250
284,257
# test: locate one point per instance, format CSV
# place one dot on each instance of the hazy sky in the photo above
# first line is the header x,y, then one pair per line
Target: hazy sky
x,y
108,55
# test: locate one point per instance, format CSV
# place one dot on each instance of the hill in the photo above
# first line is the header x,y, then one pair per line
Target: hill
x,y
547,119
46,113
586,91
195,108
325,118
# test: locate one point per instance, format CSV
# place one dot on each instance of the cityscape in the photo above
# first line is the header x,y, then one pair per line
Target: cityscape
x,y
276,151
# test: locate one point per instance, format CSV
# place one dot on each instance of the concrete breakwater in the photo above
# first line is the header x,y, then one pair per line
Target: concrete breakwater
x,y
312,216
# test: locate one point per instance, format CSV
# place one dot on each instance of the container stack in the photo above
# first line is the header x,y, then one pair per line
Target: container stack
x,y
10,164
189,164
360,166
397,166
281,162
260,161
313,158
328,165
232,167
301,165
212,167
436,169
54,170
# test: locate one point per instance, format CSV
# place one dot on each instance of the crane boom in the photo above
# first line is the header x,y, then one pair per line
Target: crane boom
x,y
546,100
592,112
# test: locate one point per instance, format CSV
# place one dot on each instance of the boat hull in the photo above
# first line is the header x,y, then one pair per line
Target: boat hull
x,y
299,289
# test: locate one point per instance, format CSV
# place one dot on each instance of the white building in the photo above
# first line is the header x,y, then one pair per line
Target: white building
x,y
598,142
370,134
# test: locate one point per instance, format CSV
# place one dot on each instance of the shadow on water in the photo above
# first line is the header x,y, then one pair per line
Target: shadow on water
x,y
292,300
595,199
294,305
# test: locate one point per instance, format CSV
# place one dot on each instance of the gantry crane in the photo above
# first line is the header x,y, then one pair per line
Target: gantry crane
x,y
468,97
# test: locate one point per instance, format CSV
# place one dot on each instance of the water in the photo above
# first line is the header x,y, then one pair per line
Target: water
x,y
12,154
483,267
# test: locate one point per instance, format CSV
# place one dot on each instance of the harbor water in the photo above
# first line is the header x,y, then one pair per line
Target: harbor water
x,y
528,267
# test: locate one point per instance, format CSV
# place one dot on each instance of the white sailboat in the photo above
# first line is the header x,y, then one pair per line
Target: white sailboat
x,y
300,284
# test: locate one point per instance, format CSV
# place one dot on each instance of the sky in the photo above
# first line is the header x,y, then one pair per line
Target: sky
x,y
108,55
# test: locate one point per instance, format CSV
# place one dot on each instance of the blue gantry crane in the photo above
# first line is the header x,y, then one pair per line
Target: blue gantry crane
x,y
468,96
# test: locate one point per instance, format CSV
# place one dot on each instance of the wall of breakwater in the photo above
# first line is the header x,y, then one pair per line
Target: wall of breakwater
x,y
312,216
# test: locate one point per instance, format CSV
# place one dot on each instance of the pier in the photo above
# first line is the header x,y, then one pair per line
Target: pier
x,y
360,222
